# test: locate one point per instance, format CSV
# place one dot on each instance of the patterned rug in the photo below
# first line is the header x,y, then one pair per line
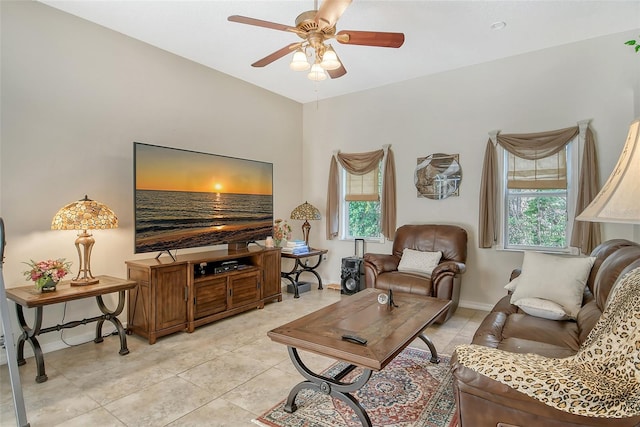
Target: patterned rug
x,y
409,392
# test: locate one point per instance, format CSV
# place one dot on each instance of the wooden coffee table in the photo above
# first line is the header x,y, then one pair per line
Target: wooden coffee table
x,y
388,330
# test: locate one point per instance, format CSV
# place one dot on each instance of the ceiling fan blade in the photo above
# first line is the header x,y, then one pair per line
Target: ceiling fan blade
x,y
338,72
370,38
330,11
276,55
261,23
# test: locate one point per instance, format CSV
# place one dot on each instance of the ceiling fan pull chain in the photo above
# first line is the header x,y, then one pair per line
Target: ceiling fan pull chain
x,y
317,91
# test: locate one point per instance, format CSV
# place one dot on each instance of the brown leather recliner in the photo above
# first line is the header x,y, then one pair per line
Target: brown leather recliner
x,y
381,270
484,402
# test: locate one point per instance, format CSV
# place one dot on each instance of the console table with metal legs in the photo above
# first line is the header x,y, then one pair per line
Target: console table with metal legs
x,y
29,297
301,266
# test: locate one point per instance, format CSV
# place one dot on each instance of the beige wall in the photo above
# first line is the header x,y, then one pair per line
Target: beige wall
x,y
452,113
74,98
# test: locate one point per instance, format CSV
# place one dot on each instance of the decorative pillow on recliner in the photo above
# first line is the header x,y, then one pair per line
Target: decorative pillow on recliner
x,y
422,262
544,308
559,279
537,306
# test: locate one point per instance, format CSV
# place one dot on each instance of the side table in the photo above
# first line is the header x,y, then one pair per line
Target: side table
x,y
29,297
299,267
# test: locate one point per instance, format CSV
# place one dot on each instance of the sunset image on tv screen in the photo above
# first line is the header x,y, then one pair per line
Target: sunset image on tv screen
x,y
189,199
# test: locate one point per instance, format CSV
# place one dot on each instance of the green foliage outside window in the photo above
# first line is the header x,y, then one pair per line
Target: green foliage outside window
x,y
537,220
364,219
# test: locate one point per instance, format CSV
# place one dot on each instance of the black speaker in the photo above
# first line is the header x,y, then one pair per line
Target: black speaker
x,y
352,276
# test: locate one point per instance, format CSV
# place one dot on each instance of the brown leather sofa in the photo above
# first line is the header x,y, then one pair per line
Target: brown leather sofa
x,y
381,270
483,402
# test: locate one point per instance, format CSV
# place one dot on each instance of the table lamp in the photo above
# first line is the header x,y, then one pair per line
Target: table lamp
x,y
618,200
306,212
83,215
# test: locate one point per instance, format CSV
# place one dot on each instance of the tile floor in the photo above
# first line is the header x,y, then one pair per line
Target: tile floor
x,y
224,374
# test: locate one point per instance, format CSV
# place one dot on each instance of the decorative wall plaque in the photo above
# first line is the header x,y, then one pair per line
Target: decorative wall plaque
x,y
438,176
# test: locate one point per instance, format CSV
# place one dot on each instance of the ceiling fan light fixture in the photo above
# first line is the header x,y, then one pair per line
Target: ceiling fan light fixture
x,y
299,61
330,60
316,28
317,73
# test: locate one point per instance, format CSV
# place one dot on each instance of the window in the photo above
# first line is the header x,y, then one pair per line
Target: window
x,y
538,207
360,205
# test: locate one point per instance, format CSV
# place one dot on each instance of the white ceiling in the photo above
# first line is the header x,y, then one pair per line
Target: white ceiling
x,y
439,35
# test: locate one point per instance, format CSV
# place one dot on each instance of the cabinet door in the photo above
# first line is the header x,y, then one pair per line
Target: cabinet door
x,y
171,293
271,272
210,296
244,288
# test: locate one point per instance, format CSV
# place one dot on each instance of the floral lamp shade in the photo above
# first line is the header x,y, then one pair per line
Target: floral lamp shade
x,y
306,212
83,215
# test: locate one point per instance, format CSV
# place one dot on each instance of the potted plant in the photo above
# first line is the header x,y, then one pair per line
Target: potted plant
x,y
47,274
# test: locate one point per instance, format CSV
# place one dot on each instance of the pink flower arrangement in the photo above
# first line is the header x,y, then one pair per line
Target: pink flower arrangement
x,y
50,270
281,230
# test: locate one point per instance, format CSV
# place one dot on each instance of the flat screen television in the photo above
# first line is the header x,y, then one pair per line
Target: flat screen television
x,y
186,199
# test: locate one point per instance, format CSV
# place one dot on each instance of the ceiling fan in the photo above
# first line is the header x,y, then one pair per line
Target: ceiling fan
x,y
315,28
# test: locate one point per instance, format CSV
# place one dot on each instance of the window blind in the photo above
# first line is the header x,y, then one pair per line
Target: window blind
x,y
363,188
547,173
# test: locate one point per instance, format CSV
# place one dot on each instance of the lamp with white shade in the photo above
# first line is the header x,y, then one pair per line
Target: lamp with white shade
x,y
619,199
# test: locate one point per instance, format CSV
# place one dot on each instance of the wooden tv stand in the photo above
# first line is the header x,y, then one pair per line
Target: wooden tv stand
x,y
199,288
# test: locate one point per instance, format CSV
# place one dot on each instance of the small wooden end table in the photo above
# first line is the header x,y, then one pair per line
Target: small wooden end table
x,y
301,267
388,330
29,297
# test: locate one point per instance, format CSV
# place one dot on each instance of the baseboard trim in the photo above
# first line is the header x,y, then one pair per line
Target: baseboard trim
x,y
59,344
475,305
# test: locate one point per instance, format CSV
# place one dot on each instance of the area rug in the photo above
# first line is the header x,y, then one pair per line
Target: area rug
x,y
409,392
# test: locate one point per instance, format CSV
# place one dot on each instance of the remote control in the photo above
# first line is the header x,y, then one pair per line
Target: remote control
x,y
354,339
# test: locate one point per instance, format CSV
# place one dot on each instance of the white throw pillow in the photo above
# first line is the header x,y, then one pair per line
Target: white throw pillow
x,y
560,279
542,308
423,262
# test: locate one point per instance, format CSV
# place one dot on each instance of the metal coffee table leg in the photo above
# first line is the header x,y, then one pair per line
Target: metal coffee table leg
x,y
330,386
432,348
